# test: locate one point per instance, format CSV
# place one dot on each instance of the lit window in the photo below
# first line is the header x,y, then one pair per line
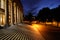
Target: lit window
x,y
2,4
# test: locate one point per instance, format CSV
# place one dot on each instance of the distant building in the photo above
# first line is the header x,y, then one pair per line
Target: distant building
x,y
11,12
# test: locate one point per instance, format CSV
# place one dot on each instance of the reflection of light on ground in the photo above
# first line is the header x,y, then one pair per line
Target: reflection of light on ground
x,y
37,27
48,23
59,25
55,23
34,22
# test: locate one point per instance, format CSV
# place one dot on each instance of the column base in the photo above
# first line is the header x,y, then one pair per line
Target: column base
x,y
12,25
6,26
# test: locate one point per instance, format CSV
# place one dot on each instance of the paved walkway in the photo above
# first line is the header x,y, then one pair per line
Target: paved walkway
x,y
18,32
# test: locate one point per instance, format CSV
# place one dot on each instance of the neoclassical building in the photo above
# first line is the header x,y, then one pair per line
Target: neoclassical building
x,y
11,12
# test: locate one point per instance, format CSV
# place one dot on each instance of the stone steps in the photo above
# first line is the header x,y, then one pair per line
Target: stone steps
x,y
13,35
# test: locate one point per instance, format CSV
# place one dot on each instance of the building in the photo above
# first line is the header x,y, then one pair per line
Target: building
x,y
11,12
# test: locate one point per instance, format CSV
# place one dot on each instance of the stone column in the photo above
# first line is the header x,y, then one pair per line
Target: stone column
x,y
12,13
9,12
15,12
17,15
21,17
6,14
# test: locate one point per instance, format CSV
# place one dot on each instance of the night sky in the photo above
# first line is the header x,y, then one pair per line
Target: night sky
x,y
34,6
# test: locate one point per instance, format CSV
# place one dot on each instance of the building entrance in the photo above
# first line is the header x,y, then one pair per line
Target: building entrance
x,y
2,19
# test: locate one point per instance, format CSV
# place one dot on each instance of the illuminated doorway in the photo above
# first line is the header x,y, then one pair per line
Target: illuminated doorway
x,y
2,19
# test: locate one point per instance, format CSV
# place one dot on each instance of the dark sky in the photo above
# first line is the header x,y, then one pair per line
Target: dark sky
x,y
34,6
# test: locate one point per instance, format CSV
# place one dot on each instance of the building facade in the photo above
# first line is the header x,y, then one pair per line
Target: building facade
x,y
11,12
